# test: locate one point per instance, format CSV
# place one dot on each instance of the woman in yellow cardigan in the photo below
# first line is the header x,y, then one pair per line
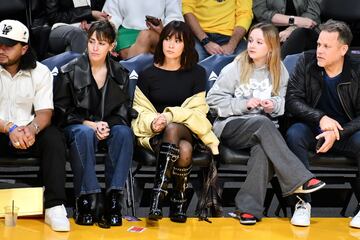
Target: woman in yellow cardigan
x,y
170,100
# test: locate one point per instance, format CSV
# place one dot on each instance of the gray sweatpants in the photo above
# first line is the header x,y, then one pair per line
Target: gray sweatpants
x,y
269,155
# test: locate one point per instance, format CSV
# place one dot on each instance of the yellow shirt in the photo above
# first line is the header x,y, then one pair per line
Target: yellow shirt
x,y
220,17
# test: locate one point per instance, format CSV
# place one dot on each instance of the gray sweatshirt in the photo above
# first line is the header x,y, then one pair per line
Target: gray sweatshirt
x,y
228,98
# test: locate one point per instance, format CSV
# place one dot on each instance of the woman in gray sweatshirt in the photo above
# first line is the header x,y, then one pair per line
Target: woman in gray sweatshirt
x,y
248,94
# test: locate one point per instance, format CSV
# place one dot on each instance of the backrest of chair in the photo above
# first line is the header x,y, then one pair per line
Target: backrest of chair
x,y
135,65
213,66
54,63
290,62
344,10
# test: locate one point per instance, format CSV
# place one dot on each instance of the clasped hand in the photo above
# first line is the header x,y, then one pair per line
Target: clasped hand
x,y
266,104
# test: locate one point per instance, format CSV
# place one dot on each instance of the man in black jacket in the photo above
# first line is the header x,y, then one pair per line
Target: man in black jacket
x,y
324,97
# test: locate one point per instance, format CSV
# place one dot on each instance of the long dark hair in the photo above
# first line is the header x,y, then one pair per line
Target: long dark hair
x,y
182,31
28,60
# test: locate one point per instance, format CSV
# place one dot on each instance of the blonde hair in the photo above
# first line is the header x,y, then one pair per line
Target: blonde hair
x,y
271,36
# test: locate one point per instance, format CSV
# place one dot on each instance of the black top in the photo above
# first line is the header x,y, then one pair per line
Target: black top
x,y
171,88
290,8
96,99
329,101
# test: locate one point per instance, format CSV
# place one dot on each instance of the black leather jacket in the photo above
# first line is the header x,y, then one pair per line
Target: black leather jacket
x,y
305,87
56,11
72,98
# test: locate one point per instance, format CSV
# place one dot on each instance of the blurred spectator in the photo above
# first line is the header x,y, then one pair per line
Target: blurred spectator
x,y
70,21
219,26
135,34
296,20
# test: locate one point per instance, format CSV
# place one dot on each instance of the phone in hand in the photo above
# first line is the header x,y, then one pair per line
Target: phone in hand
x,y
153,20
319,143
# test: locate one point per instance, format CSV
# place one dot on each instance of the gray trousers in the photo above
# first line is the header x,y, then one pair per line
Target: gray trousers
x,y
67,38
269,155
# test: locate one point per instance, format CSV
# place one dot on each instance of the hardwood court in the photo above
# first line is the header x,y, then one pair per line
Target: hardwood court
x,y
220,228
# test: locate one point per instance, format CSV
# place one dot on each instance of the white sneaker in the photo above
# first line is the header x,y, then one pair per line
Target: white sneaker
x,y
56,217
355,221
302,214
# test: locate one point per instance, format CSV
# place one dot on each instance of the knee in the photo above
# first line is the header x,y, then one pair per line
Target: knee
x,y
186,150
262,121
81,132
122,132
145,38
53,138
172,129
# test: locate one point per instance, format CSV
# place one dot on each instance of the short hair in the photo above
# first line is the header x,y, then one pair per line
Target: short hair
x,y
345,35
181,30
104,30
28,60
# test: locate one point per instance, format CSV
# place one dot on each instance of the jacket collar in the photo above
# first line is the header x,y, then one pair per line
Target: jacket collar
x,y
82,71
345,74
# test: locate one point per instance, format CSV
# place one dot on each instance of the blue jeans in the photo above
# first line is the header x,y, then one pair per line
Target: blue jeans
x,y
301,139
221,40
83,145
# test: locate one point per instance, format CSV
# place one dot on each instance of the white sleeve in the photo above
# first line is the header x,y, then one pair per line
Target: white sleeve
x,y
43,88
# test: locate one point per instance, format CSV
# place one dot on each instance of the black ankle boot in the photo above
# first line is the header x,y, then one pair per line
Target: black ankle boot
x,y
113,207
178,203
168,154
85,205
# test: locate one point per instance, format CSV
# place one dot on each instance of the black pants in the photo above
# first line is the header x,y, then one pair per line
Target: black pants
x,y
301,39
50,147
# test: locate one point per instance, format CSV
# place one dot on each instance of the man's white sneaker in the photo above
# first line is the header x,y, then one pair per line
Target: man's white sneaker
x,y
302,214
355,221
56,217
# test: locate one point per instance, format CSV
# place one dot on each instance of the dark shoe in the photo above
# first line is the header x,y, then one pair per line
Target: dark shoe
x,y
156,205
113,208
247,219
178,203
168,154
310,186
84,206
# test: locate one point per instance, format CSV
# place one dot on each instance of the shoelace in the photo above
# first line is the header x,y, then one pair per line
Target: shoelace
x,y
301,205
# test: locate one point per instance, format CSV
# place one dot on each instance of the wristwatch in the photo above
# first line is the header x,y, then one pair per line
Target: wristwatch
x,y
205,41
291,20
36,127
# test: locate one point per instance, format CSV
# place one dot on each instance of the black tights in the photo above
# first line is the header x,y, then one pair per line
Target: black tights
x,y
180,135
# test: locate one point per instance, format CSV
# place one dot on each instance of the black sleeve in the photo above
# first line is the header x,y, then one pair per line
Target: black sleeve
x,y
56,15
199,78
65,112
142,82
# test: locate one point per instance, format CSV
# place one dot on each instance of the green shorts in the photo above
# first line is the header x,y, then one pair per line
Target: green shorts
x,y
125,38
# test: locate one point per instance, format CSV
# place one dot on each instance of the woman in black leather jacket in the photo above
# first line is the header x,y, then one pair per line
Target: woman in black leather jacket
x,y
93,101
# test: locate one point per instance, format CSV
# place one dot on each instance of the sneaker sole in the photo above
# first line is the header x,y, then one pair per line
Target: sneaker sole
x,y
311,190
250,222
300,224
57,229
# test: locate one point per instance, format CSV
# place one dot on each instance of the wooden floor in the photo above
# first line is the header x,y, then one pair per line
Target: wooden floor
x,y
220,228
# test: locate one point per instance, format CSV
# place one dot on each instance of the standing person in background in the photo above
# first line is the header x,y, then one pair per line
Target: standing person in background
x,y
136,33
170,100
297,21
219,26
93,102
26,107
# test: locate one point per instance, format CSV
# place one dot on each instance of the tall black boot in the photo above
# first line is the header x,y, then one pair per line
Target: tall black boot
x,y
178,203
168,154
113,207
84,209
